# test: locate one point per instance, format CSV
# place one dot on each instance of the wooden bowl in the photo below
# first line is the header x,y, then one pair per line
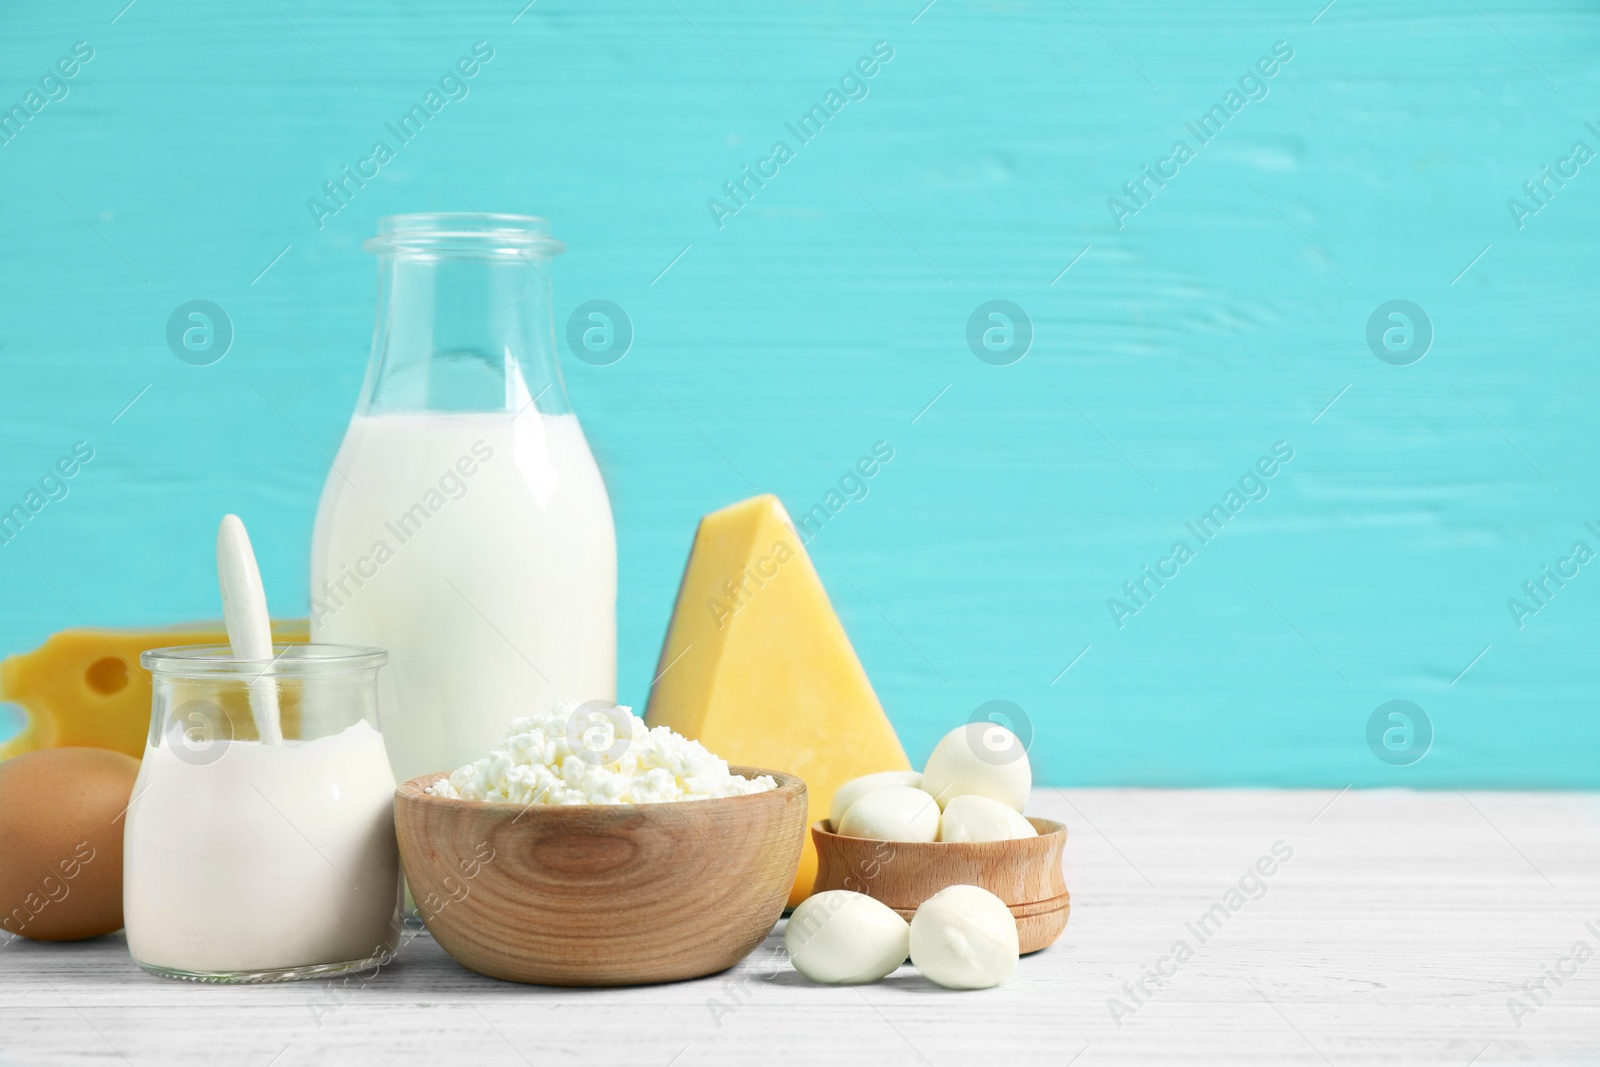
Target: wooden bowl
x,y
1025,873
601,894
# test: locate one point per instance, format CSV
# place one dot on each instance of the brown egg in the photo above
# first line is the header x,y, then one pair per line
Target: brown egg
x,y
61,818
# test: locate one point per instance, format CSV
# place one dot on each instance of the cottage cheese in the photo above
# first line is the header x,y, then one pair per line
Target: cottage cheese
x,y
595,754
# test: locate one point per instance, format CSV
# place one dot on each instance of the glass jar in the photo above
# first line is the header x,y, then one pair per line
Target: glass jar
x,y
465,526
253,862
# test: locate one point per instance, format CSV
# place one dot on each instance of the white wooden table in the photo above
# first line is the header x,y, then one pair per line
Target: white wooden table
x,y
1397,932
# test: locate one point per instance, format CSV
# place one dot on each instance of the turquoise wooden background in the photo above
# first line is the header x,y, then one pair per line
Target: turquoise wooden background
x,y
1225,314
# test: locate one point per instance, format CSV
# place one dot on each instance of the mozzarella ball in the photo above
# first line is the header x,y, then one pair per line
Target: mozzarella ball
x,y
964,937
892,813
979,759
972,818
842,937
856,788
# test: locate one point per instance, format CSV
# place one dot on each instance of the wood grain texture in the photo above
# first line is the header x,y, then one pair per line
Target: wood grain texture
x,y
1026,874
1396,934
601,895
831,313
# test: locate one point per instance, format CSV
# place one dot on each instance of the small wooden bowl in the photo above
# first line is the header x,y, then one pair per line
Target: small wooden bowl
x,y
1025,873
601,894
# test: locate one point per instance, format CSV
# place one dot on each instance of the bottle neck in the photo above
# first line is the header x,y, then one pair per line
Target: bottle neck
x,y
463,333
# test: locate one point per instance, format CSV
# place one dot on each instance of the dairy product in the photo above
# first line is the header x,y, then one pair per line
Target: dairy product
x,y
837,936
262,857
973,818
979,759
892,813
81,687
856,788
479,550
758,668
593,754
964,937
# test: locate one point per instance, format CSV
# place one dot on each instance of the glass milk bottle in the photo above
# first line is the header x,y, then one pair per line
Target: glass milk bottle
x,y
464,526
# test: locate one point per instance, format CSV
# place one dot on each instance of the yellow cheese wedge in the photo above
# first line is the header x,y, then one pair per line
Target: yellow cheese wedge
x,y
757,667
85,687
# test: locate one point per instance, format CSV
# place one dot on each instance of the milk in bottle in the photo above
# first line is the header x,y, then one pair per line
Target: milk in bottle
x,y
464,525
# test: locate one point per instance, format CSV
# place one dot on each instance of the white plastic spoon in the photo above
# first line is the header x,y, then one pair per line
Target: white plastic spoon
x,y
244,611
